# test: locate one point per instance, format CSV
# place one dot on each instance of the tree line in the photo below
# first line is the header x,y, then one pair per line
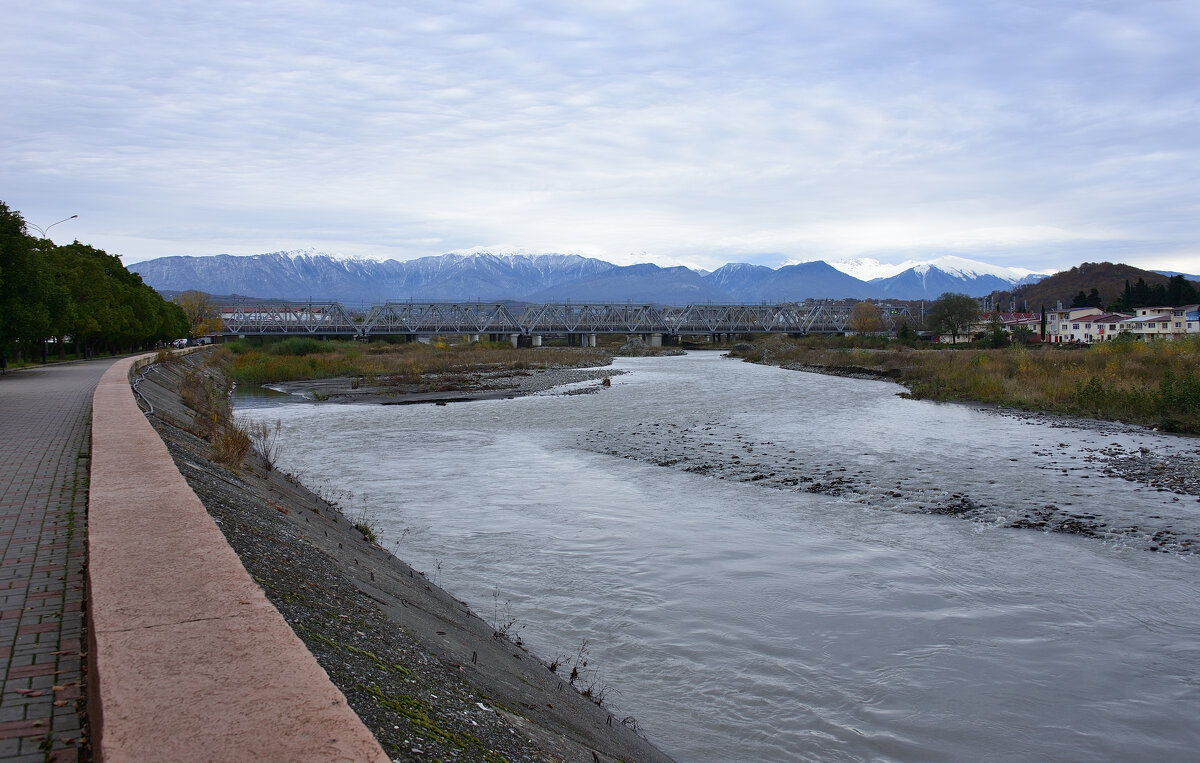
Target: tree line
x,y
74,295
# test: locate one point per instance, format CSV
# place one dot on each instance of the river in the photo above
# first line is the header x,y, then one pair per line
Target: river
x,y
742,549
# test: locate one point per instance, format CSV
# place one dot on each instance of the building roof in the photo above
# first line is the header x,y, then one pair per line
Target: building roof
x,y
1147,319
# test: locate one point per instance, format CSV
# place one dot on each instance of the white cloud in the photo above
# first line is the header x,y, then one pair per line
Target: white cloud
x,y
1034,135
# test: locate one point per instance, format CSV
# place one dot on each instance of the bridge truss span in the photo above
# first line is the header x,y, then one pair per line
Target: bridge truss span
x,y
440,318
496,319
288,319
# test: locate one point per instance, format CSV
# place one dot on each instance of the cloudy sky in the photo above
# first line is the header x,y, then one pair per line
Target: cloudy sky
x,y
1036,134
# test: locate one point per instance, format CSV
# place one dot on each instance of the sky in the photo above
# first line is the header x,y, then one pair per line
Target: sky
x,y
1036,134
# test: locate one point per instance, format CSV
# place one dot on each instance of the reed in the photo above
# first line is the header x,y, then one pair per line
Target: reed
x,y
1152,383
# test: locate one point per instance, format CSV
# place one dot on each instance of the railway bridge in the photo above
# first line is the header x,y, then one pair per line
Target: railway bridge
x,y
579,322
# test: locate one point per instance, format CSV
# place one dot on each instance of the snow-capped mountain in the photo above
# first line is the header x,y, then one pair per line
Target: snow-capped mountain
x,y
304,275
928,280
483,274
740,280
813,280
868,268
637,283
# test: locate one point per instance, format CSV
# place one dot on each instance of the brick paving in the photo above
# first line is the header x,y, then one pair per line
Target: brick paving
x,y
45,416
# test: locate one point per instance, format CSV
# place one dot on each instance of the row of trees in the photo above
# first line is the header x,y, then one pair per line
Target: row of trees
x,y
74,294
1175,292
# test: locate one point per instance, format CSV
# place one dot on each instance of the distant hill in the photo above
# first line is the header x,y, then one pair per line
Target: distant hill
x,y
1189,276
1106,277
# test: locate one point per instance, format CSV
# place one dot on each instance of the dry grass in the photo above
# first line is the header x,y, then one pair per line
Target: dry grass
x,y
1147,383
230,444
205,391
393,363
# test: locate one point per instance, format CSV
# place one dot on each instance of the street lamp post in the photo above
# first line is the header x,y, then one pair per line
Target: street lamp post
x,y
43,231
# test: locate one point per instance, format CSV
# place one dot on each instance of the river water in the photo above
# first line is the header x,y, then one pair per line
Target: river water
x,y
737,544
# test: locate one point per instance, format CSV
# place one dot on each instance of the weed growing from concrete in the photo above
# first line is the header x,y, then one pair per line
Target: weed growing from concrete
x,y
265,437
504,624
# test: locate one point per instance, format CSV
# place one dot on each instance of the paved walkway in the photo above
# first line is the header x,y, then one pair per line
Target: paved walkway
x,y
44,456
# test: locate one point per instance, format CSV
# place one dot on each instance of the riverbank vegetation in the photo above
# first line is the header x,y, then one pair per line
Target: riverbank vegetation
x,y
1149,383
302,358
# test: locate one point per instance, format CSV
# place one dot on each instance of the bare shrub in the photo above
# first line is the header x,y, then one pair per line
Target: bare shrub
x,y
265,437
504,624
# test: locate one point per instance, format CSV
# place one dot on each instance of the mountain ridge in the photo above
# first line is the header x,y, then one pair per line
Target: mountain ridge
x,y
488,276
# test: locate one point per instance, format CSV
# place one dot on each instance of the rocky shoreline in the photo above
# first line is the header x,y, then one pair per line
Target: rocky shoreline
x,y
455,388
431,679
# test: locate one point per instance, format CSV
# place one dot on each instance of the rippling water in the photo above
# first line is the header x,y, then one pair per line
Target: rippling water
x,y
738,621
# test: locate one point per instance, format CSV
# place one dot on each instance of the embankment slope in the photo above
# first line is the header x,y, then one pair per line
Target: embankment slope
x,y
427,676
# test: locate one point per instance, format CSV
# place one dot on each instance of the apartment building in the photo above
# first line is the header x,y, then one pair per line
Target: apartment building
x,y
1163,322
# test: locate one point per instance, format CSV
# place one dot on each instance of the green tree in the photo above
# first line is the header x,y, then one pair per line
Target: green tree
x,y
1180,291
27,288
996,335
1088,299
952,314
75,291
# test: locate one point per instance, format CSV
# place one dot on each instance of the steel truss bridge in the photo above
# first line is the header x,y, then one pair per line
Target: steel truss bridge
x,y
496,320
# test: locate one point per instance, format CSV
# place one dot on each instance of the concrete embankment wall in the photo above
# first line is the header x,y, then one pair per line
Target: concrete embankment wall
x,y
188,660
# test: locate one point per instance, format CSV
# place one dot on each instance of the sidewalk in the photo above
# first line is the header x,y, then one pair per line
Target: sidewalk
x,y
44,457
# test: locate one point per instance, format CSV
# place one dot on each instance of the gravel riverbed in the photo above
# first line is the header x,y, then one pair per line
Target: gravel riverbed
x,y
717,449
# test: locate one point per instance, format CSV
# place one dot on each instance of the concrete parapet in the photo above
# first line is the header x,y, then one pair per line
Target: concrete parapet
x,y
188,659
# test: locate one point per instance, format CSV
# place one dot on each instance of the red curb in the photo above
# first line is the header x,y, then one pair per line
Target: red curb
x,y
187,658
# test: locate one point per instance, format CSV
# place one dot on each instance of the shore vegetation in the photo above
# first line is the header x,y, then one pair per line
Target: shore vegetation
x,y
1149,383
303,358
